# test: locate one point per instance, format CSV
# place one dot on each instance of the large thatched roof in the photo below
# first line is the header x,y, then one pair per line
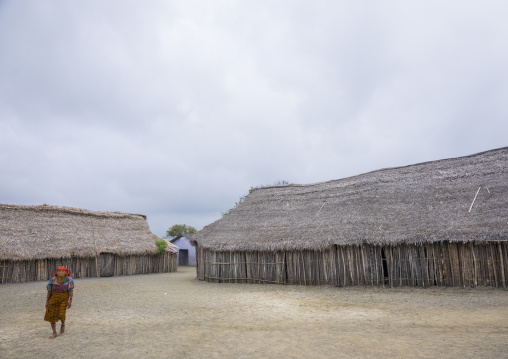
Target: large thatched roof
x,y
35,232
421,203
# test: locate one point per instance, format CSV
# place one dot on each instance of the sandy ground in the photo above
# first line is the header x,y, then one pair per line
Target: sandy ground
x,y
174,315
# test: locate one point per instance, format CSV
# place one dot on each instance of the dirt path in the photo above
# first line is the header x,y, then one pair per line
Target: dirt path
x,y
176,316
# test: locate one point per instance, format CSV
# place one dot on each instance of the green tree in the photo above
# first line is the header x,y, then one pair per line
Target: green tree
x,y
180,230
161,246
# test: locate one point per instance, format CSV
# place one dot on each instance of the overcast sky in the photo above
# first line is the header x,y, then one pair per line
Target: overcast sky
x,y
174,109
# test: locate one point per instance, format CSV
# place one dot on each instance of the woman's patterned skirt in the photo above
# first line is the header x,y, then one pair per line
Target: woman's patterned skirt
x,y
57,307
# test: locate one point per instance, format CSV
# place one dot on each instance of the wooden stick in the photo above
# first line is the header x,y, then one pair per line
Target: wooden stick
x,y
475,279
97,265
319,210
303,265
502,264
494,266
470,208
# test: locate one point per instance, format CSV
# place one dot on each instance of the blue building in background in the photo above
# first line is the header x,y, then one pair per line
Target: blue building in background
x,y
186,251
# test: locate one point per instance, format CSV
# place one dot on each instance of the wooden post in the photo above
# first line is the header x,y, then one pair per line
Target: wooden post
x,y
343,261
303,264
452,266
494,266
388,249
3,271
475,279
400,266
282,270
97,265
502,264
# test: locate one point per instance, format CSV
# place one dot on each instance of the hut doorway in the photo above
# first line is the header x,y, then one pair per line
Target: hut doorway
x,y
385,266
107,264
183,257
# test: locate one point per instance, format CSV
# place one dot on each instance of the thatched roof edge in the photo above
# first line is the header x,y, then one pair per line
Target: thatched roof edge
x,y
69,210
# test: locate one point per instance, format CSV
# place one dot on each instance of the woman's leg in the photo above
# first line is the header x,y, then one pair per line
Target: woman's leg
x,y
53,326
62,328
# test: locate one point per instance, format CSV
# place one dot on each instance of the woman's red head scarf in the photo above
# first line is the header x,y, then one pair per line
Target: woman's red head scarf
x,y
63,268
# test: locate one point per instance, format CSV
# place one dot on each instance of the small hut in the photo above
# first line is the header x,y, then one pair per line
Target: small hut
x,y
440,223
186,251
34,240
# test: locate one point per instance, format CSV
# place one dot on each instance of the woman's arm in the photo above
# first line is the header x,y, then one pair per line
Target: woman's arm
x,y
47,298
70,288
70,299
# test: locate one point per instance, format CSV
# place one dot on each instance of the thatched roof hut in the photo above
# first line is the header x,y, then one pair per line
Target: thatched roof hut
x,y
459,200
42,233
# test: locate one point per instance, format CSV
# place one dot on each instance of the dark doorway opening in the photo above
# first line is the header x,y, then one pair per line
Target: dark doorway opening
x,y
385,266
106,264
183,257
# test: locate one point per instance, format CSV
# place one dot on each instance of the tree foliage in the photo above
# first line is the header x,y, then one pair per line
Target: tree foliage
x,y
180,230
162,245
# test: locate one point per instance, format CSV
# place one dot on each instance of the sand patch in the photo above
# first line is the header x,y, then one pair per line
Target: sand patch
x,y
174,315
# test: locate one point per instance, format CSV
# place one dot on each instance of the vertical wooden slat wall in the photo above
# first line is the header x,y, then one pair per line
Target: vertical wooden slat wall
x,y
434,264
200,260
44,269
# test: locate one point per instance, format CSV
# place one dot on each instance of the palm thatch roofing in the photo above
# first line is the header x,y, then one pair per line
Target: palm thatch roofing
x,y
421,203
37,232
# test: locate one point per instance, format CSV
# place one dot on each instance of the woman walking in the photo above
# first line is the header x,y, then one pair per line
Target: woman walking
x,y
59,299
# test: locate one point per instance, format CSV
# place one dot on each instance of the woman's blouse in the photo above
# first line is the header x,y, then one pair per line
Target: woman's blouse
x,y
59,286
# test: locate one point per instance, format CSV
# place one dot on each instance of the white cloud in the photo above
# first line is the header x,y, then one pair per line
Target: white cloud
x,y
174,109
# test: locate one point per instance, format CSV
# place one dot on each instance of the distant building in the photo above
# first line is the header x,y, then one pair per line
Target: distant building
x,y
186,251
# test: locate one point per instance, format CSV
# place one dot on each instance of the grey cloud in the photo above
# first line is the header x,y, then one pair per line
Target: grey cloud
x,y
174,109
